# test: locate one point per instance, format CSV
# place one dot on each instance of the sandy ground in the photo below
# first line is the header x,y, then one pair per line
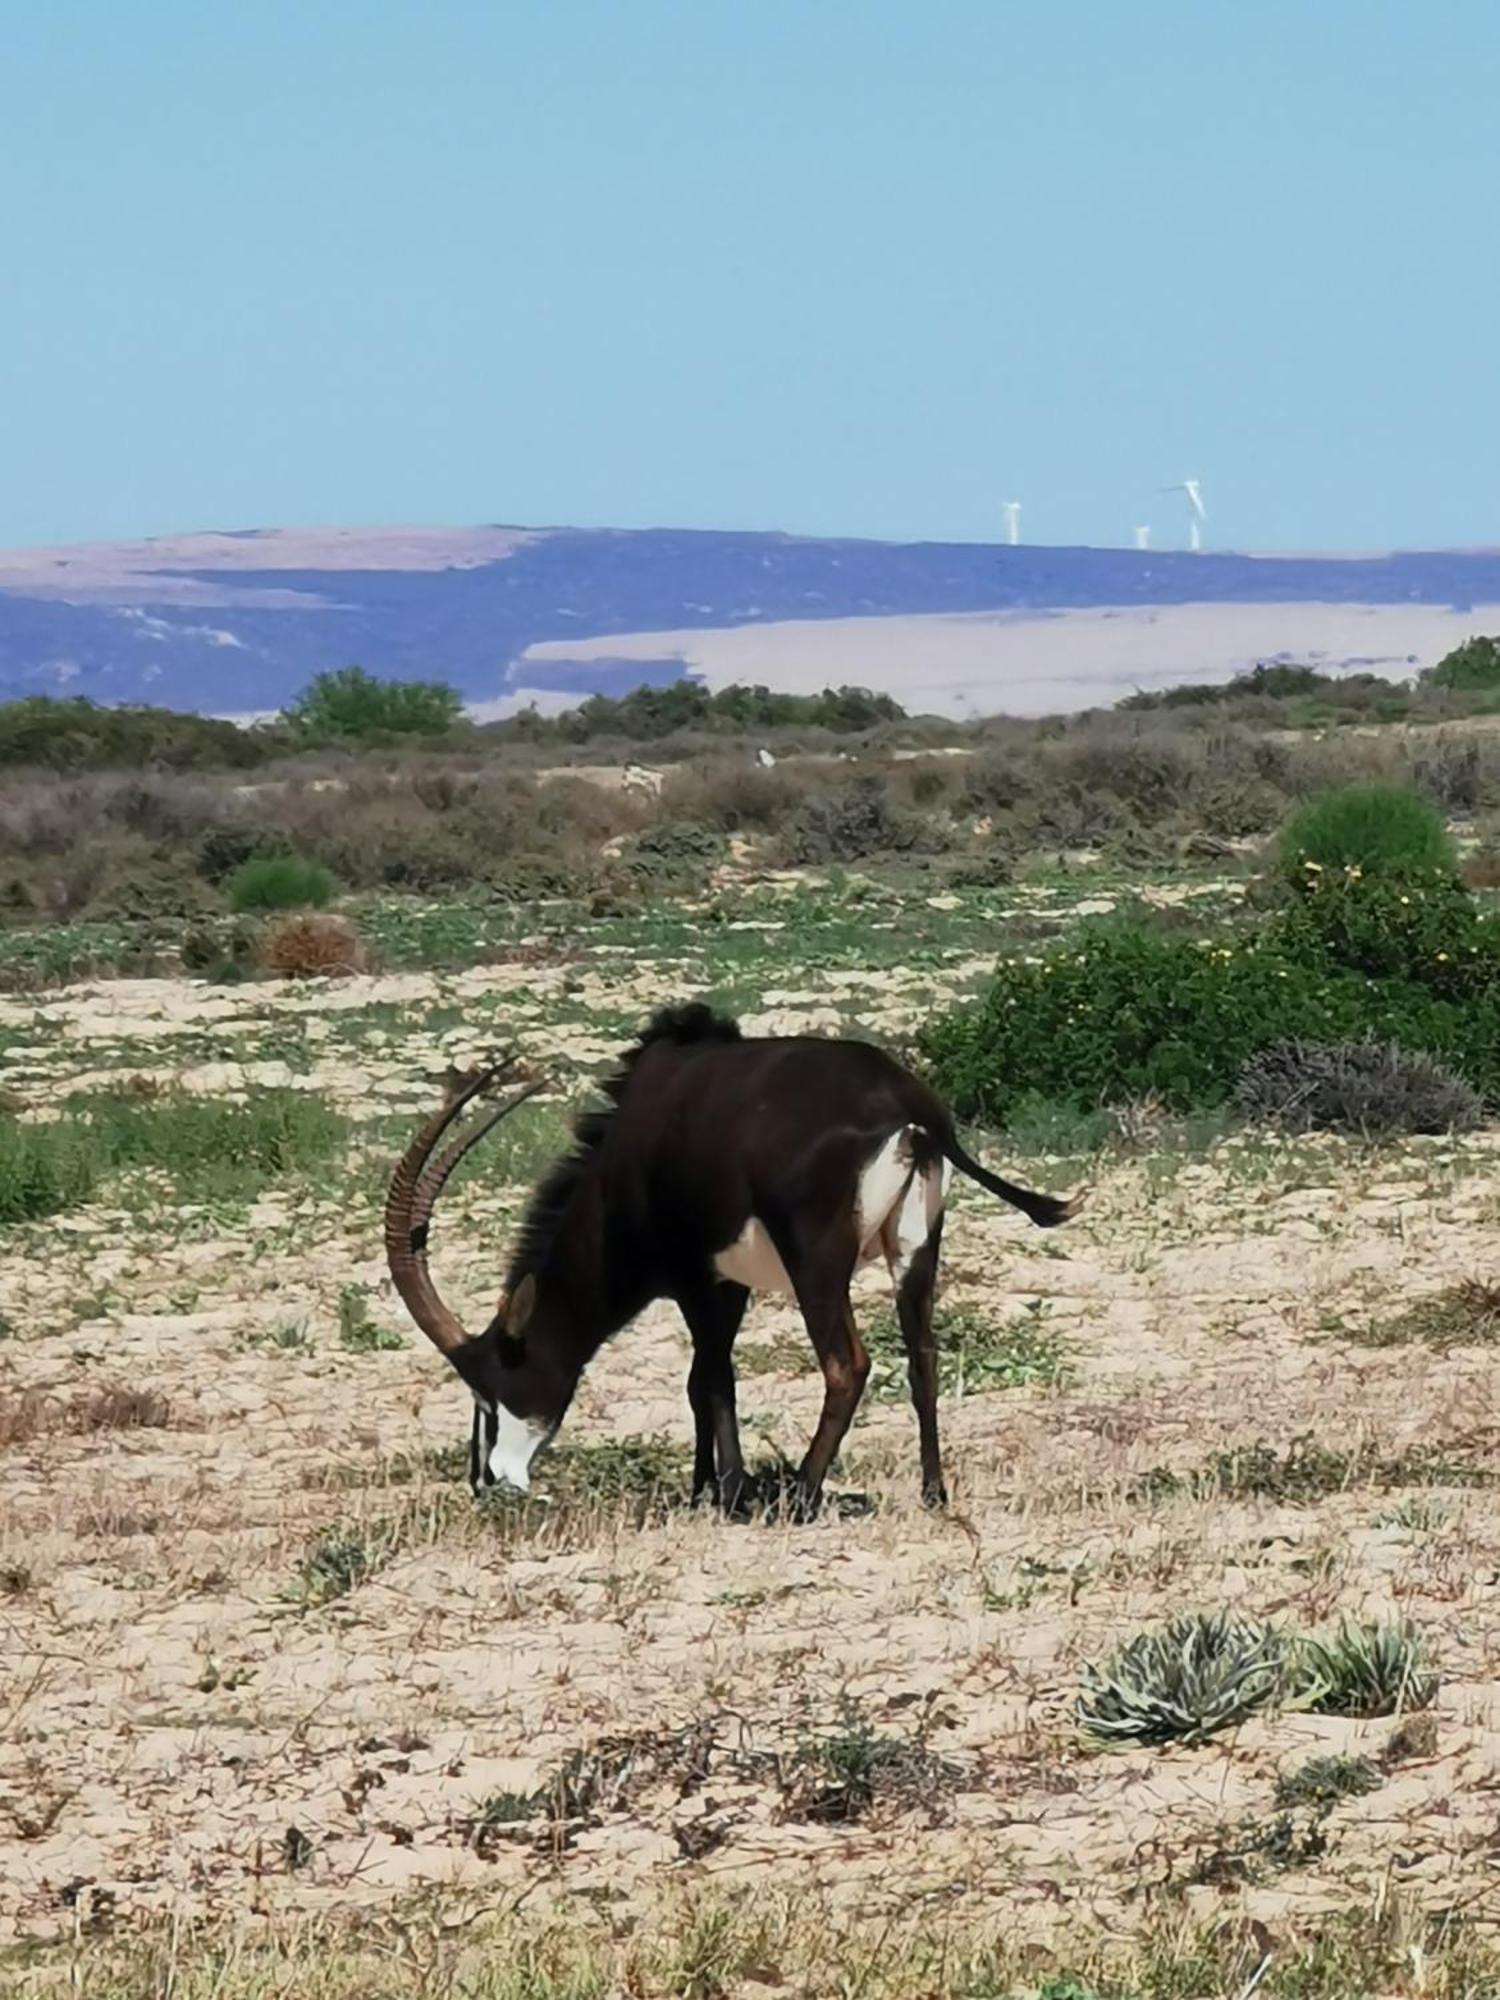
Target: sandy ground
x,y
183,1726
1016,663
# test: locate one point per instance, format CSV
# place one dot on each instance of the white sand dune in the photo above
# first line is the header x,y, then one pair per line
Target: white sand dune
x,y
1035,663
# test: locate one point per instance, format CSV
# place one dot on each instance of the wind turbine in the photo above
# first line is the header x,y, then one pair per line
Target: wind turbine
x,y
1012,511
1197,513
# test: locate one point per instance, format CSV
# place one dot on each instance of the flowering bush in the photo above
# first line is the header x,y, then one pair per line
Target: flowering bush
x,y
1399,957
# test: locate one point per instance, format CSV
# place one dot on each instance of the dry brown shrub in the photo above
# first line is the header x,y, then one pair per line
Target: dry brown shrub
x,y
1482,869
312,947
119,1409
31,1413
23,1416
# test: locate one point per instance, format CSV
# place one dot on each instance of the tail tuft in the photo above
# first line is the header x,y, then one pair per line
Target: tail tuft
x,y
1047,1210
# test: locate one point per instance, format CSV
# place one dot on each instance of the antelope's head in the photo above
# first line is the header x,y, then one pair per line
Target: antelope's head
x,y
518,1400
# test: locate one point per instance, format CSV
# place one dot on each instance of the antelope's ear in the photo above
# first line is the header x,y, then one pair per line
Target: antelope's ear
x,y
517,1309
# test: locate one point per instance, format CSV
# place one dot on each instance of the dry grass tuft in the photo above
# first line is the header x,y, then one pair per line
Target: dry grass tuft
x,y
1463,1315
31,1413
312,947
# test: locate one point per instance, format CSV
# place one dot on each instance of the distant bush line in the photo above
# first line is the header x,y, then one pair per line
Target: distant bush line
x,y
349,709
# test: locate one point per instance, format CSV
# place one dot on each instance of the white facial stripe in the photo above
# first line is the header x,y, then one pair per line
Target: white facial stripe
x,y
517,1442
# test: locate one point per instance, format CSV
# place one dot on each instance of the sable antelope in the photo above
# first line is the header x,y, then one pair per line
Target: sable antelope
x,y
720,1165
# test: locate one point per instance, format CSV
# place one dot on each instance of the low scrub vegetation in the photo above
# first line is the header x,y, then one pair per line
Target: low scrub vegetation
x,y
1184,1680
312,947
1382,954
206,1146
1204,1672
44,1169
279,882
1376,829
1463,1315
975,1351
1372,1088
1367,1670
705,1946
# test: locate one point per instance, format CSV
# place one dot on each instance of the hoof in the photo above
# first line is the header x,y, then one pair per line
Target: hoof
x,y
935,1496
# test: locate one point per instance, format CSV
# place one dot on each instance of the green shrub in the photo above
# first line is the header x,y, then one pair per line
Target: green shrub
x,y
1129,1014
1126,1013
351,706
1367,1670
1379,829
44,1170
852,823
1474,664
676,853
1419,925
279,882
1373,1088
72,734
1183,1680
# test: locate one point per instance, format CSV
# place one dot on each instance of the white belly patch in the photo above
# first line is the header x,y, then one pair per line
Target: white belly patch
x,y
895,1209
752,1260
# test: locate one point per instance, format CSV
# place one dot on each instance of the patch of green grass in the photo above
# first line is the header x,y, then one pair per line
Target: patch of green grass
x,y
290,1336
338,1562
643,1479
211,1148
359,1333
975,1352
837,1775
1324,1782
1418,1516
44,1169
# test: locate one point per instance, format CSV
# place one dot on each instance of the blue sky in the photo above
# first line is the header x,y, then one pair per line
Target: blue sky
x,y
836,266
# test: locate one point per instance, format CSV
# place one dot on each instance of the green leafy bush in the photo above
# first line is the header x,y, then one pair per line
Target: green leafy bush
x,y
1400,956
351,706
77,735
1423,926
279,882
1474,664
678,852
1377,829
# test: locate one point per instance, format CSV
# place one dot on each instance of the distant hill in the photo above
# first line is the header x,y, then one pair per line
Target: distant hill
x,y
236,623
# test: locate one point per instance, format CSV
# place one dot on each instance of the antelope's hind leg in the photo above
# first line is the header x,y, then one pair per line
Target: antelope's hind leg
x,y
916,1289
714,1312
912,1240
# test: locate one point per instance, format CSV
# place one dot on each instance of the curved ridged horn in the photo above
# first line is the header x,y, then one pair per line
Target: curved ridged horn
x,y
417,1182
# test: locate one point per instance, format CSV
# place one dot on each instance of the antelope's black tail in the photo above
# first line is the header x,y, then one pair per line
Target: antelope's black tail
x,y
1045,1210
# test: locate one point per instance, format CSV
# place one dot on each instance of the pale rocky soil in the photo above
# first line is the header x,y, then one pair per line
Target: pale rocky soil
x,y
170,1707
